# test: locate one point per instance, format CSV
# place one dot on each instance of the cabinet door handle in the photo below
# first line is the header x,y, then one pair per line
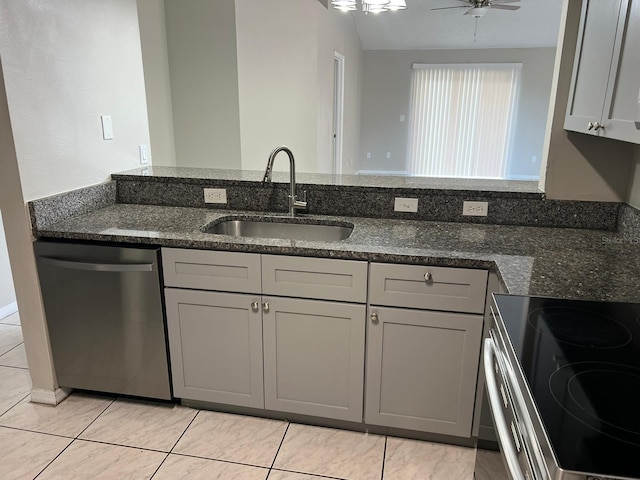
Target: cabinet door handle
x,y
265,307
599,126
255,306
374,318
428,277
590,126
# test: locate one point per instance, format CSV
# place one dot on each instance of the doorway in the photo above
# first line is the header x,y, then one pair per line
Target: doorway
x,y
338,110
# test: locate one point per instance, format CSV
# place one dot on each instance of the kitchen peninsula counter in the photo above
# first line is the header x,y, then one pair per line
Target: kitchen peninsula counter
x,y
558,262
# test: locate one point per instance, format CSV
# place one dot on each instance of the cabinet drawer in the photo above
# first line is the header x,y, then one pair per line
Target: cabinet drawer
x,y
320,278
449,289
209,270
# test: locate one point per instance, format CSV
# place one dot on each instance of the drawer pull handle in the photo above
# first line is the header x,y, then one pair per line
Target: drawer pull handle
x,y
374,318
265,307
255,306
428,277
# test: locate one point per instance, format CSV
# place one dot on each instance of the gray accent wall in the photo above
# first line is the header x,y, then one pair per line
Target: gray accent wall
x,y
386,96
203,69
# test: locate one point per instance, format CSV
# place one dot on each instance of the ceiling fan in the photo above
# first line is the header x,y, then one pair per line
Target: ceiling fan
x,y
478,8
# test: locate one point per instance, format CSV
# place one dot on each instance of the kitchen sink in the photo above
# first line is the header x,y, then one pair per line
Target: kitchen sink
x,y
291,228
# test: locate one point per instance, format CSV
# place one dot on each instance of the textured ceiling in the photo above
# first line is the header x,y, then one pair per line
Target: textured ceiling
x,y
536,24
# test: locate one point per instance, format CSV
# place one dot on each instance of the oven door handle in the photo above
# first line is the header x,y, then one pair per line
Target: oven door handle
x,y
504,436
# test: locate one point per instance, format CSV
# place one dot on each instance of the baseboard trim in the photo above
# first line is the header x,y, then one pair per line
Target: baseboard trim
x,y
8,310
49,397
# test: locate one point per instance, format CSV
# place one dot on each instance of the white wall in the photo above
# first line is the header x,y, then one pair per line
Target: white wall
x,y
64,64
7,293
387,95
285,72
153,38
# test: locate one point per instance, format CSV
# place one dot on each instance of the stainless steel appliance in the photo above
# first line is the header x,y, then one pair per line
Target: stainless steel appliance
x,y
563,381
104,313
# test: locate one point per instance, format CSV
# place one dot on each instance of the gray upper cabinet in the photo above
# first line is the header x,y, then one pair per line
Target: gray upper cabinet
x,y
314,357
421,370
605,88
215,341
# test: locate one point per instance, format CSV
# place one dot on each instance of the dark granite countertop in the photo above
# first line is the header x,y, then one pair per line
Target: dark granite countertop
x,y
557,262
443,186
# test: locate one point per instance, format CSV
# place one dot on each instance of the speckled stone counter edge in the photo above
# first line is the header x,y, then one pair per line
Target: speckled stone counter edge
x,y
433,205
341,201
48,210
629,222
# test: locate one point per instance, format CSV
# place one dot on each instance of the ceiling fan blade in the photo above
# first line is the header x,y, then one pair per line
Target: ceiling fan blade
x,y
447,8
505,7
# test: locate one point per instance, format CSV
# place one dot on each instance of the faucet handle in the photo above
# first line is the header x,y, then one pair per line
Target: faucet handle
x,y
300,205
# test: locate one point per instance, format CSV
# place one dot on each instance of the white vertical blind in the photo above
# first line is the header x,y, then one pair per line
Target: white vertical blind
x,y
461,119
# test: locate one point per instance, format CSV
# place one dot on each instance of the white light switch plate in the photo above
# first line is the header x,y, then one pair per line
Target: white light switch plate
x,y
215,195
406,205
107,127
475,209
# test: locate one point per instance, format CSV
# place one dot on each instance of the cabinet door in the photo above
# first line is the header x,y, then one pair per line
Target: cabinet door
x,y
623,95
592,65
422,369
314,357
215,344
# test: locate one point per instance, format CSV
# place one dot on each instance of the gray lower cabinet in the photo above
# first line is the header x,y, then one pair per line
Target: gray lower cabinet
x,y
215,341
314,357
422,368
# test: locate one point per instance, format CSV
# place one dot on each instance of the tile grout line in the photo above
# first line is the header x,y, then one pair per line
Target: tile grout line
x,y
55,458
384,456
97,417
19,401
309,474
13,366
174,444
185,431
12,349
279,447
57,435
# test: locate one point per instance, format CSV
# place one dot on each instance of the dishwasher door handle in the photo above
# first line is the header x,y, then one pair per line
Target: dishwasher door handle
x,y
504,436
98,267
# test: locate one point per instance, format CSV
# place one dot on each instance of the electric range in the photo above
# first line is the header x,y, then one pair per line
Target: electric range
x,y
570,370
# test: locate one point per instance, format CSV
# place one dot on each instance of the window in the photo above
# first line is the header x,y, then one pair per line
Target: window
x,y
461,119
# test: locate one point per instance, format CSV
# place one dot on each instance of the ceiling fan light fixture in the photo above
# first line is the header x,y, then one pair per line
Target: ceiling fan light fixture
x,y
477,12
397,5
343,3
370,6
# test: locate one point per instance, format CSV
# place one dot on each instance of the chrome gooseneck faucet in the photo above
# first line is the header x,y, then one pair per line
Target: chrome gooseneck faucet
x,y
294,204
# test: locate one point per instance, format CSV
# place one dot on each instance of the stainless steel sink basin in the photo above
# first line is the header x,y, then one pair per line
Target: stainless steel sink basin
x,y
295,228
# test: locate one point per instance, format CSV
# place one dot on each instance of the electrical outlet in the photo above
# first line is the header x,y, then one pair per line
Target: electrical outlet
x,y
475,209
215,195
406,205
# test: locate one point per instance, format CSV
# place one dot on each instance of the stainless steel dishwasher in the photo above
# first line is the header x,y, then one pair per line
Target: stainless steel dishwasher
x,y
104,313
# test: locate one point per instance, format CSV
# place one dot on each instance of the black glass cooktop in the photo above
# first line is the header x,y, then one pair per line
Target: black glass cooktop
x,y
582,363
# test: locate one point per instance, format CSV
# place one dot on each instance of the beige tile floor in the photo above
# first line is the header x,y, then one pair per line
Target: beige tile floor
x,y
103,437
